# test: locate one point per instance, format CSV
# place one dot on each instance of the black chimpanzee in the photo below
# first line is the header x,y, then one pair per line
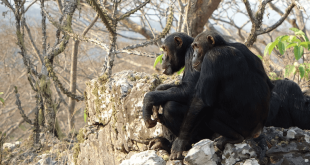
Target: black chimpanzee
x,y
231,96
175,99
288,106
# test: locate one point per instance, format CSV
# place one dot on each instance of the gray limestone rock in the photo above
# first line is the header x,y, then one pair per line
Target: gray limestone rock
x,y
145,158
202,152
237,152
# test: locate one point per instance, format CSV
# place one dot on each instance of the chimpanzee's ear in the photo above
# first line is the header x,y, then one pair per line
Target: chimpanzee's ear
x,y
178,41
211,40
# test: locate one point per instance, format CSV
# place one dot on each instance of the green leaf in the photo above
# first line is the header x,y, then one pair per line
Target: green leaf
x,y
281,47
305,44
259,56
301,70
85,116
307,70
272,46
278,38
285,44
289,69
283,38
307,40
291,38
267,48
300,33
272,74
158,59
297,31
291,45
298,52
1,93
294,29
1,99
305,37
181,70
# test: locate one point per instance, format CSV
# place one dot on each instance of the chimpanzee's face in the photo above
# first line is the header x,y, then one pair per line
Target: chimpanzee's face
x,y
167,60
201,45
197,56
171,48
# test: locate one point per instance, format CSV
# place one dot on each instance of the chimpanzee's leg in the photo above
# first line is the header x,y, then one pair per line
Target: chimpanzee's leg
x,y
172,118
219,124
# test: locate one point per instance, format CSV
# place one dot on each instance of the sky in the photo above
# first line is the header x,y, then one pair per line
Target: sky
x,y
34,16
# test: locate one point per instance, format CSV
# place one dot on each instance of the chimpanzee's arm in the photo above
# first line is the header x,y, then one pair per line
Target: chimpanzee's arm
x,y
204,98
180,94
164,87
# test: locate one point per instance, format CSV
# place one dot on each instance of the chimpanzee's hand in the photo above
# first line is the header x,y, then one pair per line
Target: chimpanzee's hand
x,y
177,149
150,123
163,87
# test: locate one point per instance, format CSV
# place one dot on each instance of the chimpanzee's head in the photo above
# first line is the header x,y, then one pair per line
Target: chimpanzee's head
x,y
203,43
175,47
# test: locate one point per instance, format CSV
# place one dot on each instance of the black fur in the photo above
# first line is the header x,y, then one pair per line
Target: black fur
x,y
232,94
288,106
175,99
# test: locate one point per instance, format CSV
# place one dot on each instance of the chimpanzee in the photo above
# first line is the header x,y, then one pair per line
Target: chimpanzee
x,y
175,99
288,106
231,96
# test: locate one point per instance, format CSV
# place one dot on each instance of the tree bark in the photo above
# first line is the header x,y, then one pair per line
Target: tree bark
x,y
73,83
197,15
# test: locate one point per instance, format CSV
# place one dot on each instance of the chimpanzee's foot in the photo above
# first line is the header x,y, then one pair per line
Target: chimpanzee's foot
x,y
219,143
177,149
160,143
262,147
222,141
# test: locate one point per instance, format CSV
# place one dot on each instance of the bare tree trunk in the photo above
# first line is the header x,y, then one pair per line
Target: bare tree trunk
x,y
198,14
73,74
300,19
73,83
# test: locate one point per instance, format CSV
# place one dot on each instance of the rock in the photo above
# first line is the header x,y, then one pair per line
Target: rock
x,y
145,158
11,146
289,147
115,107
251,162
202,152
174,162
236,152
116,133
46,160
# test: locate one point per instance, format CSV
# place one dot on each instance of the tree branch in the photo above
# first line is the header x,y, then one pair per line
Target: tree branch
x,y
18,103
278,23
249,10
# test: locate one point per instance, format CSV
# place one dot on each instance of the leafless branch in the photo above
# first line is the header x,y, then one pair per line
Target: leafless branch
x,y
18,103
278,23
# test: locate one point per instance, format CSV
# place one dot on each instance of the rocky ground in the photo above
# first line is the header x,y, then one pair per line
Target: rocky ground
x,y
116,134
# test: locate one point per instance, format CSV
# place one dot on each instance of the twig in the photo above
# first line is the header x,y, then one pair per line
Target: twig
x,y
278,23
18,103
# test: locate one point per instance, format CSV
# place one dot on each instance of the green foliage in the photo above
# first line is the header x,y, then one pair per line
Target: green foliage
x,y
1,99
159,59
289,69
273,76
260,57
2,135
181,70
85,116
283,43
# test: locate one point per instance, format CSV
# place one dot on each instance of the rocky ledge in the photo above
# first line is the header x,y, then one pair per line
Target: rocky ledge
x,y
116,133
